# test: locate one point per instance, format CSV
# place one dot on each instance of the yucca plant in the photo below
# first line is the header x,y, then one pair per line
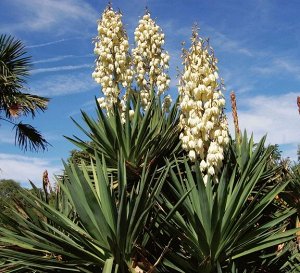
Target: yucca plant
x,y
106,232
288,259
151,134
117,229
218,223
132,118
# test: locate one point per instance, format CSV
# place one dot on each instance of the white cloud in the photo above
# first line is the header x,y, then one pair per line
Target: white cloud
x,y
59,85
58,41
218,39
236,80
171,30
276,116
60,58
88,106
48,43
53,59
59,68
63,15
280,66
224,43
24,168
286,65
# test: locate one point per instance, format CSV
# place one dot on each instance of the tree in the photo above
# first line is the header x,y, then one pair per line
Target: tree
x,y
14,102
9,190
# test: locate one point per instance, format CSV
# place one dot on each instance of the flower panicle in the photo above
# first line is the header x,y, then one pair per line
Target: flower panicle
x,y
204,126
113,65
150,60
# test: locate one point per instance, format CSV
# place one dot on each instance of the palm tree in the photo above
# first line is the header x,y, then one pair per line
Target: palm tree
x,y
14,69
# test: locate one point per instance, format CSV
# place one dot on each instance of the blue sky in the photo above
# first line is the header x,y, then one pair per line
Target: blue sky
x,y
256,41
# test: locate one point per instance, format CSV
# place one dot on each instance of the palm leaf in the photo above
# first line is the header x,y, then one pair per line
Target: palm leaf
x,y
27,137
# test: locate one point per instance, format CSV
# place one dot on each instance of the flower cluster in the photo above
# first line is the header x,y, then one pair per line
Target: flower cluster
x,y
149,59
203,123
113,69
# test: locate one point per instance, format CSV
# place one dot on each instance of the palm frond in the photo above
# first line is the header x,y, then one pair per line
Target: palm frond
x,y
14,69
14,64
28,138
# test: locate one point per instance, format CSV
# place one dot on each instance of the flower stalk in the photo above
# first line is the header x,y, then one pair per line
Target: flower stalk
x,y
235,116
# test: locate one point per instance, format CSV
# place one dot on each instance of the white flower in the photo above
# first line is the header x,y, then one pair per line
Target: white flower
x,y
131,114
192,155
101,100
209,126
167,103
205,178
199,143
185,139
211,170
191,144
213,148
203,165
